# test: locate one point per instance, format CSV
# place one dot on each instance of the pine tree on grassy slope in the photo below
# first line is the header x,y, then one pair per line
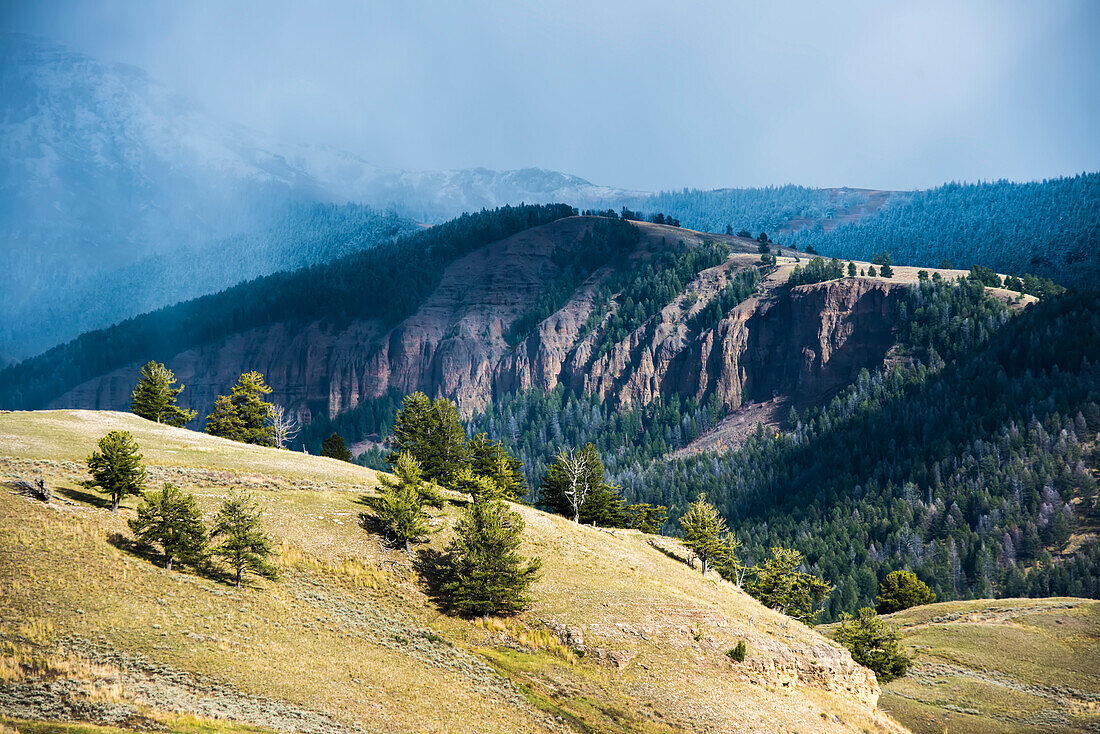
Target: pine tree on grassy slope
x,y
874,643
243,544
901,590
244,415
154,397
399,504
171,519
117,468
483,572
334,447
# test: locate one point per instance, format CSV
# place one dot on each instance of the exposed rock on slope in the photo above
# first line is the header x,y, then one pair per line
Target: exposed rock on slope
x,y
803,342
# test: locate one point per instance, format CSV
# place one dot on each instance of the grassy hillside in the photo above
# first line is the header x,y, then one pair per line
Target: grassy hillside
x,y
1005,665
91,630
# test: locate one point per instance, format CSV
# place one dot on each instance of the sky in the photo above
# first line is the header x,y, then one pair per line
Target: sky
x,y
638,94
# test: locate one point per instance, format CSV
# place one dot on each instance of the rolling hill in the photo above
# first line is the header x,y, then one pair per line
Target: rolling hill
x,y
621,636
1010,665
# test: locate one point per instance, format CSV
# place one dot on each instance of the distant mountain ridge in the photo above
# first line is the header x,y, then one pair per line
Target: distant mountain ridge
x,y
109,181
102,167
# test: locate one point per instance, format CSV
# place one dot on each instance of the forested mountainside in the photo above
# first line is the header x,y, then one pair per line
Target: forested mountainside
x,y
971,459
923,434
771,209
304,234
977,472
493,304
1049,228
375,287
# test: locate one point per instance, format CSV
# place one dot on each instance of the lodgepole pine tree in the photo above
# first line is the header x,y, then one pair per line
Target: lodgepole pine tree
x,y
117,468
171,519
432,432
483,572
334,447
243,544
901,590
491,459
223,420
874,643
399,504
780,584
244,415
704,532
154,397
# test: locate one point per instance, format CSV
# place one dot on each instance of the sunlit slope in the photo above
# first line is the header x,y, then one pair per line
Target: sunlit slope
x,y
1000,665
621,636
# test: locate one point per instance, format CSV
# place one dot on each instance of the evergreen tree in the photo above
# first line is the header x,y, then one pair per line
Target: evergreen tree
x,y
780,584
431,431
255,414
399,504
874,643
492,460
480,488
901,590
244,415
704,532
223,420
483,572
645,517
851,270
335,448
117,468
887,271
154,397
171,519
243,544
816,271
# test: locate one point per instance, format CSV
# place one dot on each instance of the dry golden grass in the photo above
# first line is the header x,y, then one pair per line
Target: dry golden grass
x,y
72,435
1000,665
348,630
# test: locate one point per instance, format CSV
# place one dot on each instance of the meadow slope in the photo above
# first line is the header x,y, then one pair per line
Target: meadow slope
x,y
1000,665
622,637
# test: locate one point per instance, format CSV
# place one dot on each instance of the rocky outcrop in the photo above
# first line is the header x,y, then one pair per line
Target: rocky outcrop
x,y
805,342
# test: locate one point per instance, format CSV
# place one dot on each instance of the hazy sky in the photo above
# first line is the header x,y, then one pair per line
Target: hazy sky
x,y
638,94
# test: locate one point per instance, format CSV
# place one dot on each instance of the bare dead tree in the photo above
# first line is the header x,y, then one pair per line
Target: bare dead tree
x,y
285,425
575,466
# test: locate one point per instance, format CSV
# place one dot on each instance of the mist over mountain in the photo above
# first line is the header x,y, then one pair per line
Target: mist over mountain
x,y
109,181
103,169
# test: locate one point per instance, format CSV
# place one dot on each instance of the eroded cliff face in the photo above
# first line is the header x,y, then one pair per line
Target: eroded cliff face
x,y
802,342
